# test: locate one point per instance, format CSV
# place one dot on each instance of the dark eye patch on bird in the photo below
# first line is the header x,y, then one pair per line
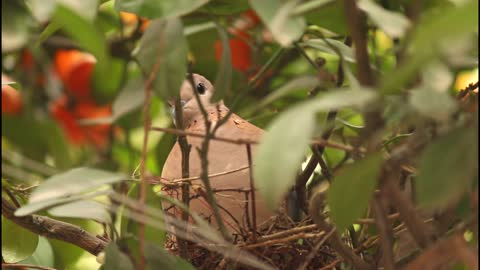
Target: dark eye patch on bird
x,y
201,88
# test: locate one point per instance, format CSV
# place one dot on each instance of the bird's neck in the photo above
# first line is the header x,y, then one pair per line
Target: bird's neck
x,y
214,113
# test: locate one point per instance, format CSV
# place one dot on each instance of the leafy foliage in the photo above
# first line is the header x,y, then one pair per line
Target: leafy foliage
x,y
344,89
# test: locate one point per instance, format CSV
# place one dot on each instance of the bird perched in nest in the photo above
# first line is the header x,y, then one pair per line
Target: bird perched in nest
x,y
227,162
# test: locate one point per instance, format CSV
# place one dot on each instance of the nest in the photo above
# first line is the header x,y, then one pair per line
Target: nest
x,y
280,242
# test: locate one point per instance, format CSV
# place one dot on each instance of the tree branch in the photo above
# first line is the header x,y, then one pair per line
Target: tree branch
x,y
55,229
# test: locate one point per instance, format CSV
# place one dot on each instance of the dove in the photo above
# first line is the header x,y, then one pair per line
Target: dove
x,y
227,162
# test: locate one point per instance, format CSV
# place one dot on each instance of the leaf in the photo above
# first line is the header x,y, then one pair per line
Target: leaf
x,y
33,207
158,258
163,51
277,17
73,182
225,7
91,210
349,195
290,132
299,83
329,15
82,31
310,6
115,259
433,104
43,255
280,153
223,81
156,9
432,35
447,168
15,25
394,24
17,243
322,45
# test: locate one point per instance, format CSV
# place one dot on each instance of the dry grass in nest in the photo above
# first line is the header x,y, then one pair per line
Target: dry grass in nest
x,y
281,243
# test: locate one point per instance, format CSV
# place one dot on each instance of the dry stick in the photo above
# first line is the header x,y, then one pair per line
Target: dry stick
x,y
146,131
312,253
185,149
55,229
22,265
252,193
281,234
318,141
386,232
316,208
283,240
408,214
203,152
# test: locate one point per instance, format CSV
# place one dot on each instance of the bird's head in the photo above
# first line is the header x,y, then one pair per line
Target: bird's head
x,y
190,107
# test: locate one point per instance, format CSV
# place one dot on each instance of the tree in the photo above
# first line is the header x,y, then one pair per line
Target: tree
x,y
371,126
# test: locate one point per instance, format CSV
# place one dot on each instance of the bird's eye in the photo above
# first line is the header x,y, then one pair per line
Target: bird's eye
x,y
201,88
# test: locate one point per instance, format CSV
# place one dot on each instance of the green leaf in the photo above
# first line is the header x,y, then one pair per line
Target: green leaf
x,y
394,24
43,255
433,104
73,182
330,15
277,16
305,82
105,90
281,152
156,9
158,258
17,243
33,207
223,81
163,51
447,168
431,36
91,210
15,25
349,195
274,170
322,45
115,259
225,7
82,31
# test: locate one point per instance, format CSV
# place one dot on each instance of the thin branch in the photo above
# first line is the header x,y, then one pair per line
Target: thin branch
x,y
252,193
146,130
386,232
317,203
203,152
312,253
55,229
318,141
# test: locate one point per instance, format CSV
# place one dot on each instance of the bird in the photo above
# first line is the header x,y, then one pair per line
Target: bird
x,y
228,163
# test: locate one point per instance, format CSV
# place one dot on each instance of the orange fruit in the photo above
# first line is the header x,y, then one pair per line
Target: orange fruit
x,y
11,98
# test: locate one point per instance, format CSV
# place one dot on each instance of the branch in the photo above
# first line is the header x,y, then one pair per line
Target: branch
x,y
55,229
316,211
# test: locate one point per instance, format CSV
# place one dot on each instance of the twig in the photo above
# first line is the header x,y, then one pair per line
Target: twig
x,y
468,89
252,193
281,234
407,212
347,148
146,130
22,265
283,240
185,149
312,253
203,152
385,231
55,229
316,207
